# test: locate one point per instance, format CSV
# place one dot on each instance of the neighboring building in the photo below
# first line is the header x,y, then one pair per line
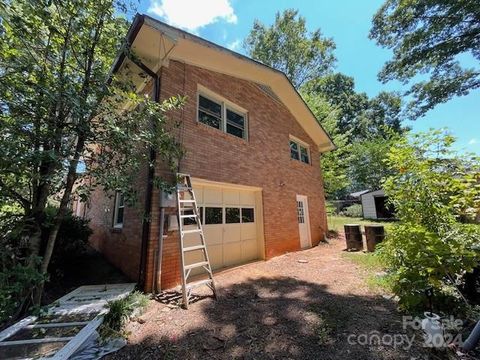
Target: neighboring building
x,y
375,206
252,147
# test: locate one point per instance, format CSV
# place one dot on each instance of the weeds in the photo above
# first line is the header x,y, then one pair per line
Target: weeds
x,y
120,312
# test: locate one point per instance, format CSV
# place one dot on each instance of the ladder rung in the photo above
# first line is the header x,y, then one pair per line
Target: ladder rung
x,y
189,201
193,231
193,248
188,216
198,283
196,265
183,188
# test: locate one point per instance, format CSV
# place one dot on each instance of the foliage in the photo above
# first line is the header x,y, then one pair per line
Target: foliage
x,y
428,37
366,168
333,163
60,107
16,280
358,115
120,311
290,48
354,210
433,191
72,238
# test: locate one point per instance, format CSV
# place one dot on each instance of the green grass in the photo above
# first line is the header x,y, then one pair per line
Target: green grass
x,y
336,222
376,279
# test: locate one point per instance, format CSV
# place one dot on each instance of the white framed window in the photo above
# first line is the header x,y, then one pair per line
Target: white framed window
x,y
299,150
119,210
221,114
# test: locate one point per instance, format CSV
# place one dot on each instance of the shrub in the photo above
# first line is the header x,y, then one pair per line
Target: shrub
x,y
17,275
72,239
433,191
354,210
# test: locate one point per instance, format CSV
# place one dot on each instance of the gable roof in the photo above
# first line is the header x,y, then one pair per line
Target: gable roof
x,y
155,43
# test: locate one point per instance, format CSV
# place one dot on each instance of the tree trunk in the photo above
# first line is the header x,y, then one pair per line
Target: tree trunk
x,y
52,237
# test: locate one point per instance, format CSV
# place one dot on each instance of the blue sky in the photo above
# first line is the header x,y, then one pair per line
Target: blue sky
x,y
227,22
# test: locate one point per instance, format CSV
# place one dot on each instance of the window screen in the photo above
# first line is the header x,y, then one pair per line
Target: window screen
x,y
235,124
209,112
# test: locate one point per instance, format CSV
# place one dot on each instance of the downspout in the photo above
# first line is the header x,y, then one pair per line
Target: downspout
x,y
150,177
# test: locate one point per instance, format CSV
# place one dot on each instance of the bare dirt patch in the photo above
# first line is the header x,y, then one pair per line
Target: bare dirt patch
x,y
302,305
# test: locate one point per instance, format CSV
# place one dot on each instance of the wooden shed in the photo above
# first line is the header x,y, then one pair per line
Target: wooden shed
x,y
375,206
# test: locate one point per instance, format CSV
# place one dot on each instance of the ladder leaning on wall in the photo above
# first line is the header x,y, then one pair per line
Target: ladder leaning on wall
x,y
187,210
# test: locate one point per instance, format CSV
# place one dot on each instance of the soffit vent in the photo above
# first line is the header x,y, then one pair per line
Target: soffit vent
x,y
268,90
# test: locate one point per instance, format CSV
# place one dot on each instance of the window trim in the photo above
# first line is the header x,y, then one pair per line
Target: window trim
x,y
116,224
300,144
225,105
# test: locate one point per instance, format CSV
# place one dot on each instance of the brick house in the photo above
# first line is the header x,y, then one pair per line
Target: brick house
x,y
252,148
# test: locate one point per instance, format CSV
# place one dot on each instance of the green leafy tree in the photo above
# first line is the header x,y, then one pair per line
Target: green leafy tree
x,y
334,164
427,37
58,109
434,192
289,47
360,116
366,165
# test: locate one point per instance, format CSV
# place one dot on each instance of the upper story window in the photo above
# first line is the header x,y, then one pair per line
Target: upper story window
x,y
221,114
299,151
119,210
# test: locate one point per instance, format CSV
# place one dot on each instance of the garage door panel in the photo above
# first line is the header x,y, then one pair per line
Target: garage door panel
x,y
231,233
249,250
248,231
247,198
212,196
198,194
232,254
215,253
213,234
231,197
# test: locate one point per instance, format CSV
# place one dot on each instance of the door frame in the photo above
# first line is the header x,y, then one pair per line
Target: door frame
x,y
306,211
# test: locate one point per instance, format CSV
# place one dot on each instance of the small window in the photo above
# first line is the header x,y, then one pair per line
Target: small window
x,y
213,215
222,115
294,150
209,112
232,215
119,210
304,155
248,215
299,152
300,212
235,124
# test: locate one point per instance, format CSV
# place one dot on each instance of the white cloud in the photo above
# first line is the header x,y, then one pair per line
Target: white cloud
x,y
193,14
234,45
473,141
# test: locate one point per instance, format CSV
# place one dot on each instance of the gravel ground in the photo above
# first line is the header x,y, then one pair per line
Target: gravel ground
x,y
303,305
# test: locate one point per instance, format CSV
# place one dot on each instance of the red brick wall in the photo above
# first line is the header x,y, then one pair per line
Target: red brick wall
x,y
121,247
262,161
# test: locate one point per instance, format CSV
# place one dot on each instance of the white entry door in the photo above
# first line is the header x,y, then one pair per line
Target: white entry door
x,y
303,222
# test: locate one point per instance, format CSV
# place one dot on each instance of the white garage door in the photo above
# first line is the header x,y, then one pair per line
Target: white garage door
x,y
230,224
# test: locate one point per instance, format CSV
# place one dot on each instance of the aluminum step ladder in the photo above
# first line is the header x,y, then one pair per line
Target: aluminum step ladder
x,y
187,211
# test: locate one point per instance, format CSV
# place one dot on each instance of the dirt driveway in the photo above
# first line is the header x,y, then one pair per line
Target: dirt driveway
x,y
304,305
